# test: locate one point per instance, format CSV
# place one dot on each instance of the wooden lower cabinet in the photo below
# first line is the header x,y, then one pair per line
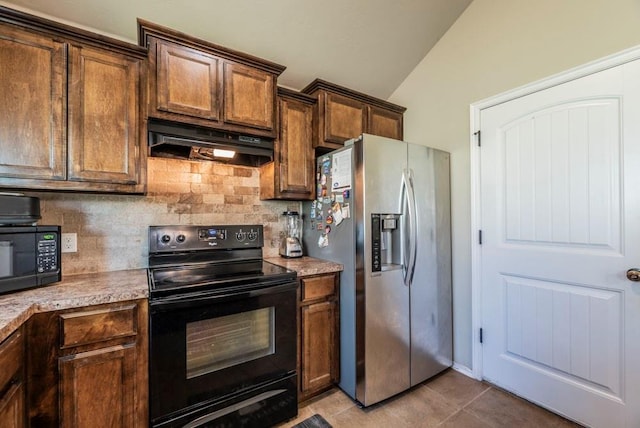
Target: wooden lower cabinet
x,y
12,382
109,372
89,366
319,365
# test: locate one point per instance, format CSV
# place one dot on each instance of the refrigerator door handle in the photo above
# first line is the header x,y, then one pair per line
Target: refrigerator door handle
x,y
405,232
408,206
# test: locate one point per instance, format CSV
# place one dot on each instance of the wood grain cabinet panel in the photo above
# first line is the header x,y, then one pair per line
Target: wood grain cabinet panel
x,y
98,388
291,174
103,116
12,381
385,123
12,407
319,335
344,118
342,114
69,108
318,287
196,82
187,81
249,96
32,109
89,366
82,328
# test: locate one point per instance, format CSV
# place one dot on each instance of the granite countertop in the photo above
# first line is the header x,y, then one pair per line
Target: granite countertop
x,y
306,266
72,292
110,287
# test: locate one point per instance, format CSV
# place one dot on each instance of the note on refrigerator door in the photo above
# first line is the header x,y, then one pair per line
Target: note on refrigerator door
x,y
341,171
337,213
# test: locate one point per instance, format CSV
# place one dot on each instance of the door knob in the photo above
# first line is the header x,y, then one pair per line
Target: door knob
x,y
633,274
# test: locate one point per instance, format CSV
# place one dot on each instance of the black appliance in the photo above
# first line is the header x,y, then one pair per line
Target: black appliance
x,y
29,254
18,209
173,140
222,349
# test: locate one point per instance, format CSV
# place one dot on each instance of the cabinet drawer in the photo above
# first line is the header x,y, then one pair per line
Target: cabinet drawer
x,y
11,356
318,287
81,328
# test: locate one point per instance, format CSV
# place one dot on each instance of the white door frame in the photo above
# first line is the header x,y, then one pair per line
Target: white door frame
x,y
476,198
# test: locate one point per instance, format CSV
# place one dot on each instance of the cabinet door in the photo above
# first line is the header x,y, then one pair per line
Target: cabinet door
x,y
318,346
12,410
249,96
104,94
295,148
187,82
385,123
32,112
344,118
98,388
12,401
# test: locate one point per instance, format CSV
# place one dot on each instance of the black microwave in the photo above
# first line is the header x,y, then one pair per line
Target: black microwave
x,y
29,257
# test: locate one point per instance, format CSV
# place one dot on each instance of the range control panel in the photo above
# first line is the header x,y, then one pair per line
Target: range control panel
x,y
191,237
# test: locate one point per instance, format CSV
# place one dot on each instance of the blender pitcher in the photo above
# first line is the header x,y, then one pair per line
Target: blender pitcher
x,y
290,245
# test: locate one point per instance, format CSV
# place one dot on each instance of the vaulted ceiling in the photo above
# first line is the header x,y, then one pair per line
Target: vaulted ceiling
x,y
367,45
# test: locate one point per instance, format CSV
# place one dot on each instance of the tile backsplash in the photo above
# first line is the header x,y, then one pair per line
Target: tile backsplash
x,y
112,229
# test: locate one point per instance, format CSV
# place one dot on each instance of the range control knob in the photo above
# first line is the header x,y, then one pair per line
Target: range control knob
x,y
181,238
252,236
240,236
165,239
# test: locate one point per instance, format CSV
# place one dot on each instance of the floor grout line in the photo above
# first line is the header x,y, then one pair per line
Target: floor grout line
x,y
476,397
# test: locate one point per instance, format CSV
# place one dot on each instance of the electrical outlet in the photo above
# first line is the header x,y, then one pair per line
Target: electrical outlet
x,y
69,243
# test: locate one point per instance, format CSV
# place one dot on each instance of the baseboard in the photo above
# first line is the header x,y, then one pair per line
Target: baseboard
x,y
464,370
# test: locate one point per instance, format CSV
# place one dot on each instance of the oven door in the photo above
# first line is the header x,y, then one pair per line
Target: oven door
x,y
208,347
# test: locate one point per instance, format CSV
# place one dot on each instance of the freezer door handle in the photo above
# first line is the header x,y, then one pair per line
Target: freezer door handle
x,y
409,259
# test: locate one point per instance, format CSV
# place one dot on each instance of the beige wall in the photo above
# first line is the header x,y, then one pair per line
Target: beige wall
x,y
497,45
113,229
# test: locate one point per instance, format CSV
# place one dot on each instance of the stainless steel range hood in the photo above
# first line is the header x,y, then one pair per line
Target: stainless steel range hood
x,y
171,140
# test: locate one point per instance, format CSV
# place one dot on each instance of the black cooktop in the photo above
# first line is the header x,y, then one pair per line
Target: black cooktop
x,y
209,259
198,278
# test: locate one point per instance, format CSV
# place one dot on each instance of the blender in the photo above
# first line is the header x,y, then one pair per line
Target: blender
x,y
290,245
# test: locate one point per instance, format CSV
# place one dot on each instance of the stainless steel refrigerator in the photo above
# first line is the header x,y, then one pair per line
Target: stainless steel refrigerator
x,y
383,211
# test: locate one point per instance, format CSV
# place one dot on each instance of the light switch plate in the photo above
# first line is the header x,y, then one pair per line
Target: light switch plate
x,y
69,243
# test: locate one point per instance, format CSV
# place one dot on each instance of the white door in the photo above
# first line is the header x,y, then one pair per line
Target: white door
x,y
560,218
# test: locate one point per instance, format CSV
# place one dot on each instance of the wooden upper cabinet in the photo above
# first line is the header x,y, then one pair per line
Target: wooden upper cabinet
x,y
342,114
187,81
296,153
385,123
103,116
344,118
32,109
291,174
248,96
70,116
196,82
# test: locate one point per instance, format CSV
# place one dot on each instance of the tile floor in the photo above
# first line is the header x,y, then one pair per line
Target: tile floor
x,y
450,400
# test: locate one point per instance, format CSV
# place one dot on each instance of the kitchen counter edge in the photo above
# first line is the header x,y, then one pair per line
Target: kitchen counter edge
x,y
306,266
73,291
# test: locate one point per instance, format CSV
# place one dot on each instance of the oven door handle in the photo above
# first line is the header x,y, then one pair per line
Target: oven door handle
x,y
190,300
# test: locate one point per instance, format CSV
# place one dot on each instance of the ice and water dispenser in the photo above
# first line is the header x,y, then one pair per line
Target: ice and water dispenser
x,y
385,242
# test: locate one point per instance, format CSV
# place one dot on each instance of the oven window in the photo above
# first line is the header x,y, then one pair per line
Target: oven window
x,y
217,343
